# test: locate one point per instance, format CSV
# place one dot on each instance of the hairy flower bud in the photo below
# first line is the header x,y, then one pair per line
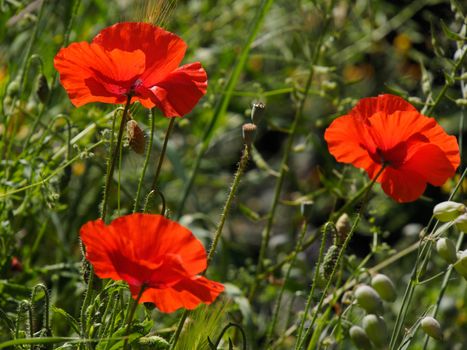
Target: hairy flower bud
x,y
432,327
329,261
369,299
359,338
447,250
136,137
42,89
384,286
375,328
153,342
448,211
343,227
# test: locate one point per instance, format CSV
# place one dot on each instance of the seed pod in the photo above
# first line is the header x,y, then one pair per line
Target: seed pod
x,y
448,211
384,286
329,261
461,264
447,250
136,138
343,227
432,327
369,299
42,89
359,338
257,112
249,133
461,223
375,328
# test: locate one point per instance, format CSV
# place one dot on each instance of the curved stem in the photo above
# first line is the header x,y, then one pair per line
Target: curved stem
x,y
113,159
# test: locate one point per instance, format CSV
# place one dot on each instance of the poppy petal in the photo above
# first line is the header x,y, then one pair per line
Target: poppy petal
x,y
426,163
90,74
163,50
157,237
188,294
180,90
385,103
349,142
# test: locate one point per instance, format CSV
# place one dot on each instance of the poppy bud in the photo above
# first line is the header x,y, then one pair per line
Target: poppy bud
x,y
375,328
432,327
329,261
461,264
13,88
257,112
384,286
461,223
249,133
136,138
369,299
447,250
359,338
343,227
42,89
448,211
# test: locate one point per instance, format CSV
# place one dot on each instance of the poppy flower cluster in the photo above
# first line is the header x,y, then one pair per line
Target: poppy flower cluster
x,y
154,253
137,60
388,131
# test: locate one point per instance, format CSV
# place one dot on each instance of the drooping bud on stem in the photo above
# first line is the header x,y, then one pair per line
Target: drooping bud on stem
x,y
136,138
359,338
249,133
384,286
448,211
343,227
432,327
369,299
447,250
375,328
257,112
42,90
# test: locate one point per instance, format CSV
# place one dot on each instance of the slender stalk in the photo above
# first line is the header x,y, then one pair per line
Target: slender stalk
x,y
313,286
217,234
162,155
339,259
113,159
272,325
221,106
146,161
131,314
285,159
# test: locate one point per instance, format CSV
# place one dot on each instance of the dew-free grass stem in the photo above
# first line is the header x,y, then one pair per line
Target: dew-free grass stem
x,y
162,155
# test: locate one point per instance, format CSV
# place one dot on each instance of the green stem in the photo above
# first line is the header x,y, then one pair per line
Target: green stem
x,y
221,106
113,159
162,155
339,259
285,159
217,234
297,249
131,314
146,161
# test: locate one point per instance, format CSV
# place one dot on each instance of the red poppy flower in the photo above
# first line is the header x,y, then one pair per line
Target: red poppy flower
x,y
388,130
150,250
132,58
